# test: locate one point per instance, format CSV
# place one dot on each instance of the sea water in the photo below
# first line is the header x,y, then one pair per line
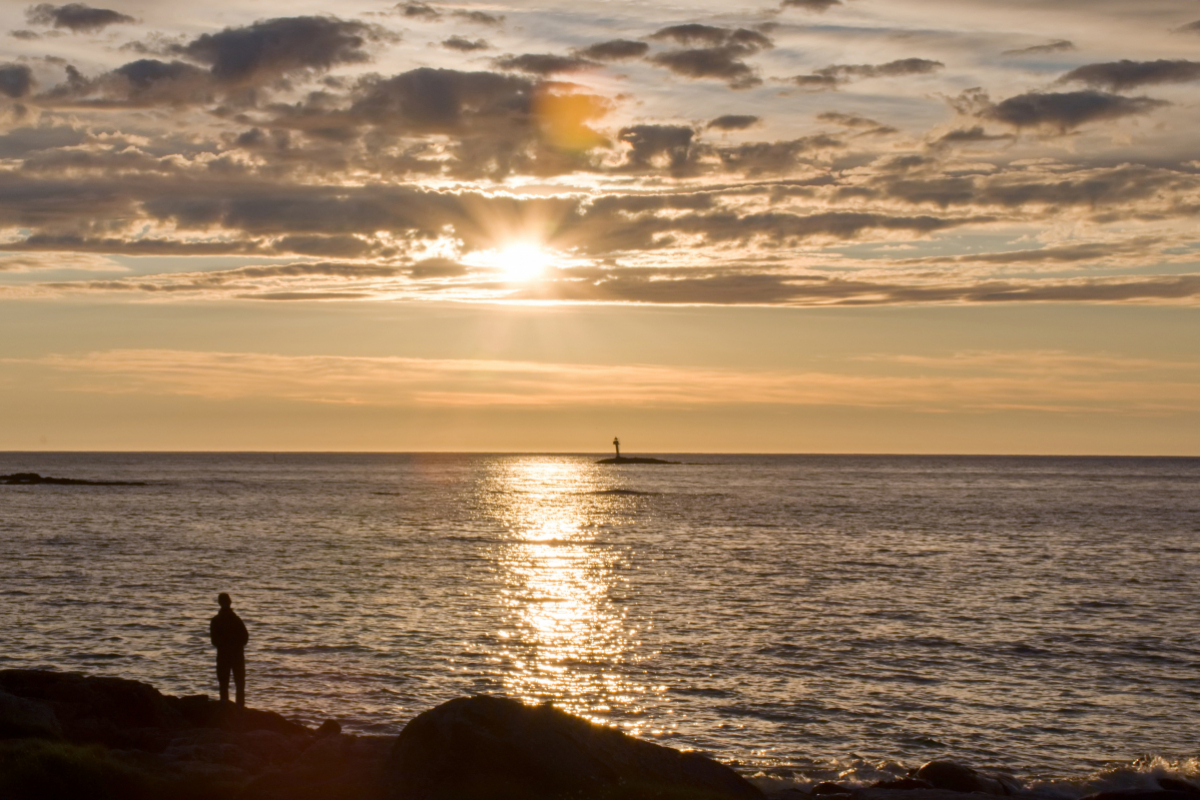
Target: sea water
x,y
805,617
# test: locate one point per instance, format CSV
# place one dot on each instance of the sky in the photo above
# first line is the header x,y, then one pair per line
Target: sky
x,y
913,226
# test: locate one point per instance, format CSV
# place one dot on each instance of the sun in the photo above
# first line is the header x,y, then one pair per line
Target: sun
x,y
519,261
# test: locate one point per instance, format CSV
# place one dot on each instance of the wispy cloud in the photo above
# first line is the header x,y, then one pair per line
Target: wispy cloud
x,y
973,382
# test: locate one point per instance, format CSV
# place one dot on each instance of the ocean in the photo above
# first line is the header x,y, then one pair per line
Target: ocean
x,y
803,617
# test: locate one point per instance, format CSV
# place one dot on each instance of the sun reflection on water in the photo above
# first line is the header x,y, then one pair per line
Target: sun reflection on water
x,y
568,639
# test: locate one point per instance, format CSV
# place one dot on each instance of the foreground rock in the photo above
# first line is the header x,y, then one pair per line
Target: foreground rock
x,y
64,735
954,777
493,747
70,736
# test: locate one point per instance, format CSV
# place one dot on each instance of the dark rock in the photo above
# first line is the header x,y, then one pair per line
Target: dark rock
x,y
20,717
112,711
494,747
634,460
829,787
1176,785
958,778
131,715
903,784
1138,795
203,712
34,479
329,727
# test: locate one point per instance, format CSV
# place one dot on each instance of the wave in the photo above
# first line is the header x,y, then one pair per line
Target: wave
x,y
1150,773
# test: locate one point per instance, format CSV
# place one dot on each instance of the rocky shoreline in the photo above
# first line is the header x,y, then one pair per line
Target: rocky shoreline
x,y
74,737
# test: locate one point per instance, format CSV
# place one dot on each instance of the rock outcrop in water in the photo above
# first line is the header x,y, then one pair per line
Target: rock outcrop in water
x,y
634,460
34,479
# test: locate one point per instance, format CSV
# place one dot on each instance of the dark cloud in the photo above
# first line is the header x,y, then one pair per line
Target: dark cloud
x,y
973,135
16,80
695,33
615,50
734,122
465,45
1125,189
649,143
729,287
172,81
26,35
480,17
76,17
865,125
1062,254
544,63
756,158
1065,111
325,246
1057,46
721,59
419,11
437,268
19,142
812,5
1191,27
445,101
837,74
138,84
1124,74
272,48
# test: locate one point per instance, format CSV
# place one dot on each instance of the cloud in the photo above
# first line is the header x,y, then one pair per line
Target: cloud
x,y
808,290
835,75
1121,75
1065,111
465,45
973,135
1191,27
615,50
419,11
30,262
1057,46
812,5
866,126
721,58
276,47
76,17
544,63
650,142
757,158
733,122
480,17
16,80
973,381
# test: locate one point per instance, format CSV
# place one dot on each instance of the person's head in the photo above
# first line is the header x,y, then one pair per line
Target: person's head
x,y
224,600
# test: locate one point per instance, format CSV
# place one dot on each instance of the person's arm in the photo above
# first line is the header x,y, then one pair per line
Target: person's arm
x,y
243,634
212,631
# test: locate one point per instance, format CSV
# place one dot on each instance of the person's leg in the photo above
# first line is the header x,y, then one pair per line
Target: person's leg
x,y
239,678
223,666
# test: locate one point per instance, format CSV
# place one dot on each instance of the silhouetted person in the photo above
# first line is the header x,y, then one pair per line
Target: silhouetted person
x,y
229,636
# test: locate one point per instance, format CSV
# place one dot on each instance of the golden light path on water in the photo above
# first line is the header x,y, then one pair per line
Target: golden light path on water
x,y
567,638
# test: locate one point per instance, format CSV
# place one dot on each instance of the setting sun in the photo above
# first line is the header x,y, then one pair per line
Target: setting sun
x,y
520,261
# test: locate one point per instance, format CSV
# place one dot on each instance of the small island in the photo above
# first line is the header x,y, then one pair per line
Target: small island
x,y
34,479
620,459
